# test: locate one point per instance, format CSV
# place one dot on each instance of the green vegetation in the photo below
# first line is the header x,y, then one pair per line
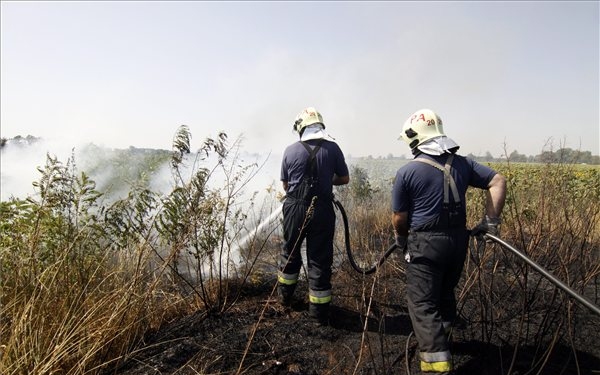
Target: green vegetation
x,y
82,282
552,214
84,278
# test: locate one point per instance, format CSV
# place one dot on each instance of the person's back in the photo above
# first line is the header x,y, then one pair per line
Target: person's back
x,y
429,220
296,161
425,186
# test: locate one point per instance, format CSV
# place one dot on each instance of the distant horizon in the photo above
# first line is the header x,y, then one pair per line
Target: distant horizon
x,y
406,154
20,163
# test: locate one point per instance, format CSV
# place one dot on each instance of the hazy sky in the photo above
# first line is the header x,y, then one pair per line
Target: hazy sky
x,y
120,74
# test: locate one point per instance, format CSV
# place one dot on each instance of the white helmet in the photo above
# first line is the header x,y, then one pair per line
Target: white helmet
x,y
420,127
307,117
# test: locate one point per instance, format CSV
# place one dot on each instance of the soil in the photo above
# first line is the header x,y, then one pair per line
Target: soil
x,y
369,333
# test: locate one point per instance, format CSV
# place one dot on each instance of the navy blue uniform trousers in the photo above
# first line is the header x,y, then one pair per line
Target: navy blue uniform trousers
x,y
318,234
435,267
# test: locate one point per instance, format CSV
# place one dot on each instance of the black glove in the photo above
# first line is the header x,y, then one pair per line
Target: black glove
x,y
401,242
487,225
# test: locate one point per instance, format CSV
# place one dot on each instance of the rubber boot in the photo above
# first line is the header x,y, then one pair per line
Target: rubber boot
x,y
319,312
285,294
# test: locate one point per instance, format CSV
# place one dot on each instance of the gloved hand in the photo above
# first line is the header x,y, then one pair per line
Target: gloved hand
x,y
401,242
487,225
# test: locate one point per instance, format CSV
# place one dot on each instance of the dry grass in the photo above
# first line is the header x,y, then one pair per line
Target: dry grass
x,y
79,292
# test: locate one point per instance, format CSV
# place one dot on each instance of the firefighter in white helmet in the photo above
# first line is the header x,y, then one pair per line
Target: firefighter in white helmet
x,y
309,169
429,220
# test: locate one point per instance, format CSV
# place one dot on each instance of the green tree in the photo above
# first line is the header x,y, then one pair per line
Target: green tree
x,y
518,158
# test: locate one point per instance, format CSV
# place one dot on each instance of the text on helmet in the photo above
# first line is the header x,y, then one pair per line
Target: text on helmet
x,y
421,117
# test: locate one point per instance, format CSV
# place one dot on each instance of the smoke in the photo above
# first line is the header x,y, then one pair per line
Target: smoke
x,y
20,159
116,171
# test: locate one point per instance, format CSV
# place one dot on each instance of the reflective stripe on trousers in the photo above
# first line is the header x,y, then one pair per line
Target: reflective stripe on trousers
x,y
319,296
436,367
287,278
439,362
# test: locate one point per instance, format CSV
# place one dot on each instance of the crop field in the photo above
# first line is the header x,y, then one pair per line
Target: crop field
x,y
84,283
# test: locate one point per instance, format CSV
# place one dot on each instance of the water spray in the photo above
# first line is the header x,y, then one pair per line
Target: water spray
x,y
261,226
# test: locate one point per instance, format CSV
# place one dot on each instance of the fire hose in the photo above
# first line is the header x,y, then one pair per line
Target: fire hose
x,y
579,298
353,263
366,271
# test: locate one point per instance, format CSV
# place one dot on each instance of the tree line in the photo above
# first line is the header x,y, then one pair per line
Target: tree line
x,y
562,155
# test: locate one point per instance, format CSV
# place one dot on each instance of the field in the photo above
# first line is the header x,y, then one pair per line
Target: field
x,y
162,283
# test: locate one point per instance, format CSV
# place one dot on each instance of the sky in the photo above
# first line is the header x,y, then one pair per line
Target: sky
x,y
503,76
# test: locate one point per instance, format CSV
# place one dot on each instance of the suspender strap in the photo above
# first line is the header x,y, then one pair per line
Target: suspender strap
x,y
449,182
312,152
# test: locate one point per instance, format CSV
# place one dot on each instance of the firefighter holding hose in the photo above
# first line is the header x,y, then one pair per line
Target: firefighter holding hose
x,y
309,169
429,220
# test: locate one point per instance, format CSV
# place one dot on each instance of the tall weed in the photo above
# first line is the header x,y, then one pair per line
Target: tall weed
x,y
552,215
83,281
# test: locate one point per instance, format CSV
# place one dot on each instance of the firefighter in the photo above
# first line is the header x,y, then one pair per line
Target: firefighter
x,y
309,169
429,220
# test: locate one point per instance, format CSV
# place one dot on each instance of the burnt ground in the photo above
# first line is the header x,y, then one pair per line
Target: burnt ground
x,y
366,335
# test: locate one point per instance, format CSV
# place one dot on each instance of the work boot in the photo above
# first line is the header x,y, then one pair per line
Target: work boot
x,y
319,312
285,294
